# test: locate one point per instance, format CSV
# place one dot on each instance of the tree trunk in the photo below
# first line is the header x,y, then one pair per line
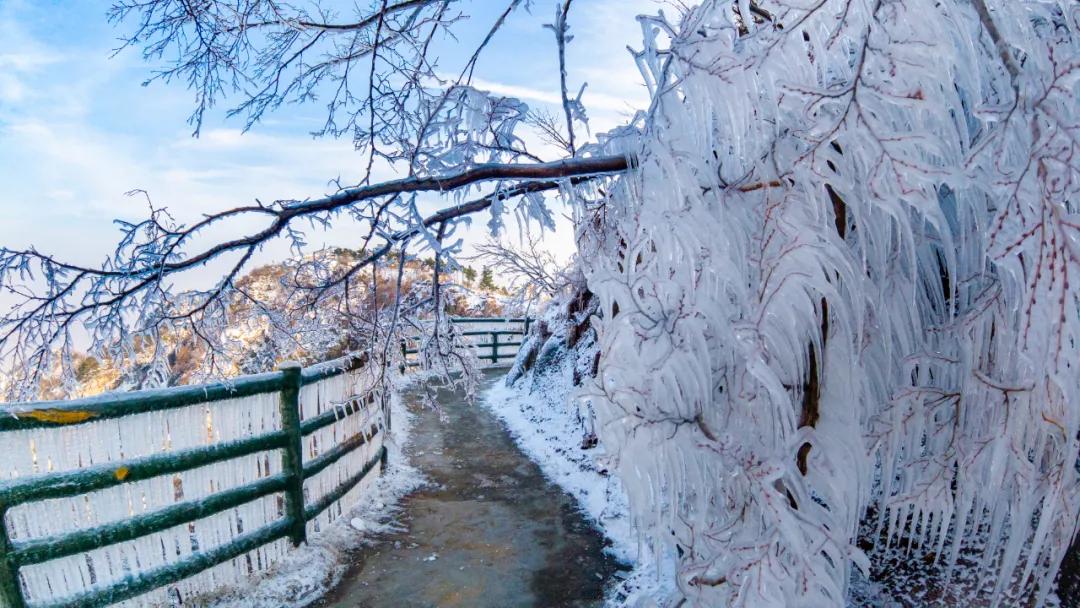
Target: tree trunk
x,y
1069,576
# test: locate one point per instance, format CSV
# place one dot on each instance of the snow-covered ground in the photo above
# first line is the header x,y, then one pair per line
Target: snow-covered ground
x,y
308,572
551,427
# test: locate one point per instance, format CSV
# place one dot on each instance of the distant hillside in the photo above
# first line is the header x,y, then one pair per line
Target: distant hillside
x,y
264,327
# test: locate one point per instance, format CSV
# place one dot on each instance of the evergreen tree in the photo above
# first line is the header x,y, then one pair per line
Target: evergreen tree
x,y
487,280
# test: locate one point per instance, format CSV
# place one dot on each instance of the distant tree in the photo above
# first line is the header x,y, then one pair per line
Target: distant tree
x,y
86,367
470,275
487,279
529,267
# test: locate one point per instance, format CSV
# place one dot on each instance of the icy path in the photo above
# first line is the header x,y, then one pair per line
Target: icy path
x,y
489,530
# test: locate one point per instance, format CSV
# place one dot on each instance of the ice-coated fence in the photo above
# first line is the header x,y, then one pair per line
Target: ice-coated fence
x,y
494,340
157,497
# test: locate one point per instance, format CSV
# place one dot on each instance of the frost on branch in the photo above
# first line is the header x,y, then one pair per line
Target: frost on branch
x,y
839,295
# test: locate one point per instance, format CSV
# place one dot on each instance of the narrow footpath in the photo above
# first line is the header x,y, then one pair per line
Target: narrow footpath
x,y
488,531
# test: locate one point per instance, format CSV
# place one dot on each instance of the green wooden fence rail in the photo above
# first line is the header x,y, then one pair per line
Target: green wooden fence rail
x,y
494,344
287,382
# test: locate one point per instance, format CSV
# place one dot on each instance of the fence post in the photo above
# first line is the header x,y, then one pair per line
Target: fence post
x,y
494,347
292,459
384,402
526,332
10,590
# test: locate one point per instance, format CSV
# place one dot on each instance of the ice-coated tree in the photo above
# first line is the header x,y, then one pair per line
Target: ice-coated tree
x,y
837,276
840,297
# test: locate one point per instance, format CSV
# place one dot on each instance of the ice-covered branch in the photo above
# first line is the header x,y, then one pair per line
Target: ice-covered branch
x,y
132,291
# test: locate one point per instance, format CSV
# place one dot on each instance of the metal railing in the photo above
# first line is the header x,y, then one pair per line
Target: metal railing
x,y
497,327
287,382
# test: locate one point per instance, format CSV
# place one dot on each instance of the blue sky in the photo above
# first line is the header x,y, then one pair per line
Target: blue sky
x,y
77,129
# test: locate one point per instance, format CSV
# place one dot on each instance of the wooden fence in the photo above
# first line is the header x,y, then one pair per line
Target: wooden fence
x,y
500,345
108,498
162,496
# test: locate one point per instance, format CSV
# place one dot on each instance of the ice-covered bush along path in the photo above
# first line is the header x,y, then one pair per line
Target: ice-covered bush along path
x,y
839,293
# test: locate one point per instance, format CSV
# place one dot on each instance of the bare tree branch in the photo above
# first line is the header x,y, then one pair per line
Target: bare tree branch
x,y
562,38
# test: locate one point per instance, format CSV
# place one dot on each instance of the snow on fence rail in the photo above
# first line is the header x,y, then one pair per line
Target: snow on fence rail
x,y
474,331
161,495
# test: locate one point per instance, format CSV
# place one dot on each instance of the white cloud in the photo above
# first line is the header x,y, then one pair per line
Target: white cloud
x,y
20,60
11,89
27,61
222,138
593,101
597,55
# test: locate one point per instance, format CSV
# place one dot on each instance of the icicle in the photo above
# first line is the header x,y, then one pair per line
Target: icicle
x,y
135,437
